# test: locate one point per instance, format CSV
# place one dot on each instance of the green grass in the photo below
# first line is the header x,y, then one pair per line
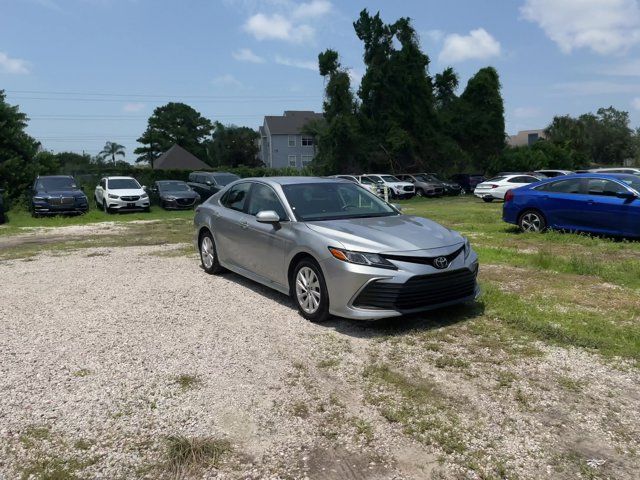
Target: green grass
x,y
187,382
193,453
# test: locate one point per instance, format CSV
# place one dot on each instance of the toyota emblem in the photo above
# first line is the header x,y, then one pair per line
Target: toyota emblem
x,y
441,263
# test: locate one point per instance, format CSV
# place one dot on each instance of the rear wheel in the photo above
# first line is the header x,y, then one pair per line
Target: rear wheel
x,y
209,254
532,221
310,291
487,199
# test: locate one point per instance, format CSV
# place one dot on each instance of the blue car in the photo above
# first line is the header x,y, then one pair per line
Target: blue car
x,y
605,204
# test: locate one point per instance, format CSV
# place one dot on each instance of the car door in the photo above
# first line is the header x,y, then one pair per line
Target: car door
x,y
606,212
563,203
265,243
231,223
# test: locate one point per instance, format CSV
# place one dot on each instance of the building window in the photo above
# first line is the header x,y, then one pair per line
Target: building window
x,y
293,161
292,140
306,160
532,138
307,141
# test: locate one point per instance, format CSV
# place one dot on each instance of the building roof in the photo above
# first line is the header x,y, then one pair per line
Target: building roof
x,y
291,122
177,158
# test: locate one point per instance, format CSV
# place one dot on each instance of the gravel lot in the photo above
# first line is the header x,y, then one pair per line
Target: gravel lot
x,y
106,353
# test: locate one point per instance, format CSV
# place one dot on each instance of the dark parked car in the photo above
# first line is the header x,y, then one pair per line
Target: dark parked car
x,y
450,188
468,181
594,203
206,184
52,195
174,194
2,219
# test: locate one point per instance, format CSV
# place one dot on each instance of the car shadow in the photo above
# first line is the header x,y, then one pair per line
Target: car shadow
x,y
393,326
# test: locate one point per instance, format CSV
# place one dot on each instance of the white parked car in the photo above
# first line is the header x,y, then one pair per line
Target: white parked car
x,y
497,187
553,173
119,194
627,170
397,188
359,179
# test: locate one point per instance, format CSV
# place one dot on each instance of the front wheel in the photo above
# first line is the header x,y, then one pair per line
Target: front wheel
x,y
532,221
105,208
310,291
419,192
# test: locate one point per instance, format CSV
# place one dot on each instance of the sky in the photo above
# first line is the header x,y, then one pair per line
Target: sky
x,y
91,71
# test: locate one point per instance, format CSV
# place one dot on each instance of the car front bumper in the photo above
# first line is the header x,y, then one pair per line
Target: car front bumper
x,y
178,203
367,293
127,205
47,208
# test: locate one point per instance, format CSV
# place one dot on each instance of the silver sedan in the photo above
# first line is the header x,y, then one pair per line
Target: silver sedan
x,y
335,247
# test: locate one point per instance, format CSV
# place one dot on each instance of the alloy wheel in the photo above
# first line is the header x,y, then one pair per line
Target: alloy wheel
x,y
207,252
531,222
308,290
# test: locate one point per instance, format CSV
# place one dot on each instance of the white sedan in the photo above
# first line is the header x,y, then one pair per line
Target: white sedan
x,y
118,194
496,188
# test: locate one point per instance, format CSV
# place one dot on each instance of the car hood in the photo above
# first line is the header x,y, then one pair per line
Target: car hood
x,y
401,233
128,192
179,194
60,193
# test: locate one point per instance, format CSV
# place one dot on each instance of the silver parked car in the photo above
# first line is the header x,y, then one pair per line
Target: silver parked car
x,y
335,247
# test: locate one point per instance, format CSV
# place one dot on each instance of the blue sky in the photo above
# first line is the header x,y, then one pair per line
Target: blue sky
x,y
88,71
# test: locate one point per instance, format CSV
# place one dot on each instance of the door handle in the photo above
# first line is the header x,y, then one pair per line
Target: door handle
x,y
244,224
590,202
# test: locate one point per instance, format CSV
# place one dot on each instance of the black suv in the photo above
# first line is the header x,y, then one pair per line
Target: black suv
x,y
206,184
468,181
56,194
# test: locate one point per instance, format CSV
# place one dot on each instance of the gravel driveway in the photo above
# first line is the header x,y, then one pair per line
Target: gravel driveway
x,y
107,353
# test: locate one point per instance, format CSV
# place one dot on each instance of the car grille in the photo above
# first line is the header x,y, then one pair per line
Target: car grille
x,y
60,201
408,188
134,198
439,190
186,201
418,292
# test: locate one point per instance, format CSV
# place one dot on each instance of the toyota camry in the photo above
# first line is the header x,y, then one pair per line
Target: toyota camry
x,y
335,247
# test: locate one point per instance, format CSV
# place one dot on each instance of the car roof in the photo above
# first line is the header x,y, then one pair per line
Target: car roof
x,y
54,176
119,178
295,180
604,176
170,181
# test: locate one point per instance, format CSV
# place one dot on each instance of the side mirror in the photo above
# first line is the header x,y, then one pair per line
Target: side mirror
x,y
267,216
144,187
627,195
209,182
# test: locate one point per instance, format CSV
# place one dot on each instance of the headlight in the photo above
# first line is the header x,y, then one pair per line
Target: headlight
x,y
144,195
39,199
362,258
111,195
467,248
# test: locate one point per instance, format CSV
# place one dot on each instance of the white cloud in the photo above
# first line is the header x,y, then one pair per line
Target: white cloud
x,y
277,27
133,107
226,80
604,26
315,8
246,55
13,65
478,45
305,64
635,103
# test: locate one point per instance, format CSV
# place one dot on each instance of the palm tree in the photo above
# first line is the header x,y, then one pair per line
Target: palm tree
x,y
111,149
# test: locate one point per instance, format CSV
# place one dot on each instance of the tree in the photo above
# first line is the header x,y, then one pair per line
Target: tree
x,y
337,135
174,123
233,146
112,149
478,118
18,162
445,86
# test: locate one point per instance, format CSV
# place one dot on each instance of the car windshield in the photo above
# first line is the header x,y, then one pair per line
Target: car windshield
x,y
334,201
123,184
226,178
173,186
633,181
57,183
389,178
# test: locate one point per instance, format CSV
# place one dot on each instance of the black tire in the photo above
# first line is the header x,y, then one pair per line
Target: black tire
x,y
105,209
211,266
321,312
487,199
532,221
419,192
146,209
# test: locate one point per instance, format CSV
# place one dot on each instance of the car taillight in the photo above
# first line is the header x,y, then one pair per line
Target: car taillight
x,y
508,196
494,186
